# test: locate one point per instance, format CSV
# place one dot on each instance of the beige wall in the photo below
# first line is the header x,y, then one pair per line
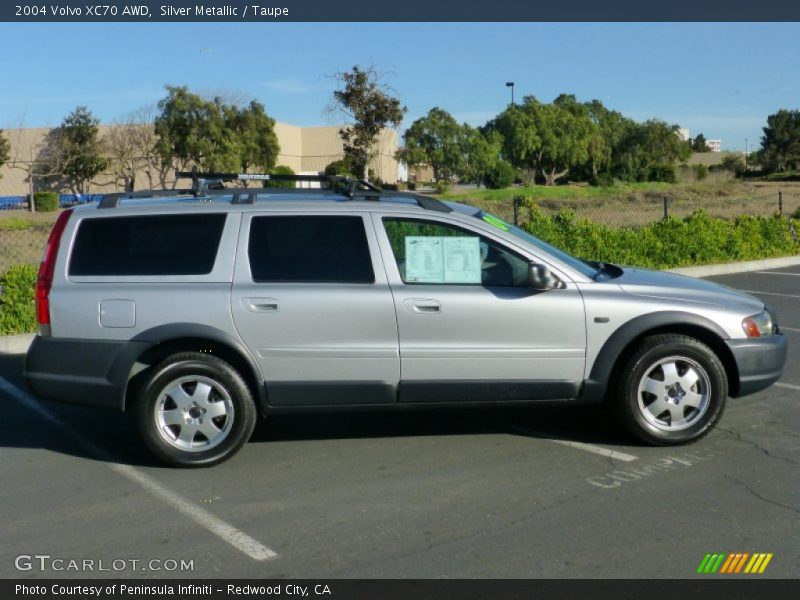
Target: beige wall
x,y
305,149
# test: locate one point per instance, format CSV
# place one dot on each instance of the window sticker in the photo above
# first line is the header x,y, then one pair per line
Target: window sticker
x,y
443,259
499,223
462,260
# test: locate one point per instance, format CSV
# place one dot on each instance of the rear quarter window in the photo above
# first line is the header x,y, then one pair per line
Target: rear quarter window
x,y
148,245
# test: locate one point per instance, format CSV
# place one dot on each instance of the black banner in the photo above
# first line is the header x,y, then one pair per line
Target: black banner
x,y
404,11
388,589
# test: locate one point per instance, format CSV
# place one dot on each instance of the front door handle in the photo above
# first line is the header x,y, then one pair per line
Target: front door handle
x,y
423,306
260,304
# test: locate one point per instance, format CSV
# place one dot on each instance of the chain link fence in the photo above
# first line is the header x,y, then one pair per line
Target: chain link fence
x,y
23,234
638,211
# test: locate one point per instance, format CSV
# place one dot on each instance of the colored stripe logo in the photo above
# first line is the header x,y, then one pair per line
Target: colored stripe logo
x,y
736,563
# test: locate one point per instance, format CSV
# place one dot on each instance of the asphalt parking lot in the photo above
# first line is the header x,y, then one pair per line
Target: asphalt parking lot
x,y
507,493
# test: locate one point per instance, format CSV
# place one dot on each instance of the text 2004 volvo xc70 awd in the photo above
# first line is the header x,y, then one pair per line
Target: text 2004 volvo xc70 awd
x,y
199,310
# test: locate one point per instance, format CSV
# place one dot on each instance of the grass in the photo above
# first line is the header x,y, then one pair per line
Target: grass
x,y
699,189
23,235
785,176
637,204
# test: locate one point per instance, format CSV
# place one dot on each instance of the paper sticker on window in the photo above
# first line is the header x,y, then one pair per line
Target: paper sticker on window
x,y
443,259
462,260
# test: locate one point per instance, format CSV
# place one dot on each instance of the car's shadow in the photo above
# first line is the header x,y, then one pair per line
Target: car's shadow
x,y
86,430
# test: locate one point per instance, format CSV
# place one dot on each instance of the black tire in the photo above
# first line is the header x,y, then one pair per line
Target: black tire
x,y
679,422
227,394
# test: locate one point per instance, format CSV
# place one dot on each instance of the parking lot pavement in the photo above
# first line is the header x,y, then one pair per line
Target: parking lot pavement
x,y
549,492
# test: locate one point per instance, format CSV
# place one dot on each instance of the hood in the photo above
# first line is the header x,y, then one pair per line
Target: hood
x,y
660,284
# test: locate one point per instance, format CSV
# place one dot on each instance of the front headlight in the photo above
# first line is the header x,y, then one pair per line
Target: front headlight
x,y
758,325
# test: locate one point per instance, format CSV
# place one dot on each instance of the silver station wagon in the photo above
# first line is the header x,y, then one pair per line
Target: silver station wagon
x,y
199,310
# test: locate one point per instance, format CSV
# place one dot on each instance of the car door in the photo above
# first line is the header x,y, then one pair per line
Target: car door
x,y
470,326
311,300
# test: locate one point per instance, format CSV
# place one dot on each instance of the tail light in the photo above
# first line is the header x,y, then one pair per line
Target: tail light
x,y
47,269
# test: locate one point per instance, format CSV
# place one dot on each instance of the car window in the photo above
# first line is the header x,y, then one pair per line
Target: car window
x,y
321,249
586,268
440,253
148,245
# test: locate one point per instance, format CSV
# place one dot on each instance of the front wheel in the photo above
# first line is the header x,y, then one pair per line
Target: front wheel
x,y
195,410
672,390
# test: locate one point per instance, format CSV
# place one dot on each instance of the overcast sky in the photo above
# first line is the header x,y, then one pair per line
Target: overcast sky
x,y
718,79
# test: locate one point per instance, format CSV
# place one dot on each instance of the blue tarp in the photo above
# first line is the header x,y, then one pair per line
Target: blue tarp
x,y
11,202
71,199
8,202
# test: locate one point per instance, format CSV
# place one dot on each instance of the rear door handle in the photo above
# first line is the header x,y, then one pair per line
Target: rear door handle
x,y
260,304
423,306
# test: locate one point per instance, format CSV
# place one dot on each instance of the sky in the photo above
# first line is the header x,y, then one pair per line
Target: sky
x,y
719,79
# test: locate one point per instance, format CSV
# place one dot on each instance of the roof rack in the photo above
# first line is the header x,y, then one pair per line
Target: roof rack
x,y
207,184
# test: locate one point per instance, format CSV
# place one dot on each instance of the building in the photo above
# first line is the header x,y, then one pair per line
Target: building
x,y
684,134
306,150
714,145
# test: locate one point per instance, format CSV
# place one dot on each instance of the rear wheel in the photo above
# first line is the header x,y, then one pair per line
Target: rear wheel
x,y
195,410
672,390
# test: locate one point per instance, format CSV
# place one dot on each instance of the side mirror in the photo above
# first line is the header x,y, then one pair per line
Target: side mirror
x,y
540,278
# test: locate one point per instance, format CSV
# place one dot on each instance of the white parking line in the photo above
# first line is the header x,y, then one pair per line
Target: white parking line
x,y
788,385
776,273
572,444
789,329
770,293
228,533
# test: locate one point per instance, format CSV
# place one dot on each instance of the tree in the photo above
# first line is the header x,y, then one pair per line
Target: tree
x,y
5,149
649,151
521,142
370,107
609,129
780,144
698,144
213,135
74,150
436,140
130,144
481,153
255,133
550,138
190,132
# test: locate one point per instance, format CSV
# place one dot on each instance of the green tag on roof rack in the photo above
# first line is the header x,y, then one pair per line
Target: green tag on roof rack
x,y
499,223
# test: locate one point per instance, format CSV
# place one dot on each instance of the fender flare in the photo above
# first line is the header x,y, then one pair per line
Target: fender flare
x,y
595,386
149,339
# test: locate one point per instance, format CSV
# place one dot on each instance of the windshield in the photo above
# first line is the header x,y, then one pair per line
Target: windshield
x,y
581,266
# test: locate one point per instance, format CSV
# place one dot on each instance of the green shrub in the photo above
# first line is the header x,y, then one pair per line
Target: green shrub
x,y
700,172
441,186
733,164
499,176
341,168
45,201
280,170
665,173
672,242
17,305
603,180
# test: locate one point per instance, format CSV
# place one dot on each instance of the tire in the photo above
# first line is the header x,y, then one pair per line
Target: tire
x,y
672,390
195,410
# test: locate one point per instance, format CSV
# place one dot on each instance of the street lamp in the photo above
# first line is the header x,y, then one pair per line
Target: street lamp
x,y
510,84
